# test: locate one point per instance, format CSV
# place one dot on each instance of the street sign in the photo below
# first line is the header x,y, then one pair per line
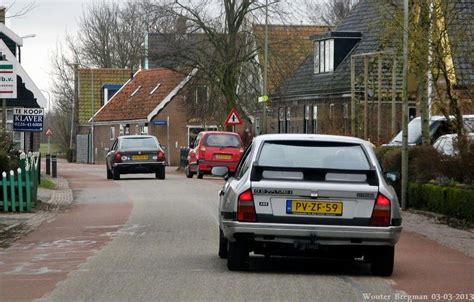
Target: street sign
x,y
28,119
263,99
7,80
233,118
159,122
49,132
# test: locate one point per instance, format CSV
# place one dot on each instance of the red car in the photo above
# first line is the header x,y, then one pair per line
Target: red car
x,y
213,148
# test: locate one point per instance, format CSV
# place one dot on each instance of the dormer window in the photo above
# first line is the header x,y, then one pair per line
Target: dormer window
x,y
324,56
330,49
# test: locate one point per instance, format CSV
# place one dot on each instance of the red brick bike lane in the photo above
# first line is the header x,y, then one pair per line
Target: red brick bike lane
x,y
35,264
426,269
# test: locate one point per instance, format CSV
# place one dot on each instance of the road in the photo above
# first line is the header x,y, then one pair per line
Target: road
x,y
141,239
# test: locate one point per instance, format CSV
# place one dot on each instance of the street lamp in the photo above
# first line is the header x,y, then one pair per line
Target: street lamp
x,y
19,47
49,118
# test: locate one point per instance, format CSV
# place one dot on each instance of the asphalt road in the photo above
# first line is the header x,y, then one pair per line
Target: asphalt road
x,y
142,239
167,251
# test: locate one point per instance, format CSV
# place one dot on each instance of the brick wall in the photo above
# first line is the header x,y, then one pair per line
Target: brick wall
x,y
334,117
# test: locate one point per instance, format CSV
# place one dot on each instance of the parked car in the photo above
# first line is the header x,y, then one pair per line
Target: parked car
x,y
447,144
135,154
438,126
303,194
213,148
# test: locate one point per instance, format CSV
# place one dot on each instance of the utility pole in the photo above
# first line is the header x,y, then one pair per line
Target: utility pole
x,y
405,107
265,74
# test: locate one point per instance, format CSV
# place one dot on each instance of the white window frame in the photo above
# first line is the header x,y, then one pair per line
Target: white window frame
x,y
324,56
112,133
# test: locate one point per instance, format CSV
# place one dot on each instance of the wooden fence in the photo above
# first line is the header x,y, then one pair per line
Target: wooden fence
x,y
19,188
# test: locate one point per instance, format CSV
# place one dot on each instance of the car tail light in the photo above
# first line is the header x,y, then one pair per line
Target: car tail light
x,y
381,212
118,157
161,156
246,207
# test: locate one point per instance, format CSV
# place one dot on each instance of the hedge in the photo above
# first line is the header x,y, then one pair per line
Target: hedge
x,y
447,200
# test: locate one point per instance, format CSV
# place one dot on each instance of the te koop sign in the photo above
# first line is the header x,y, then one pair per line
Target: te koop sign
x,y
28,119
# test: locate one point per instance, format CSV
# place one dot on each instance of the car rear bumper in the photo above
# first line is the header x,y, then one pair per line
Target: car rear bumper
x,y
321,234
206,166
139,167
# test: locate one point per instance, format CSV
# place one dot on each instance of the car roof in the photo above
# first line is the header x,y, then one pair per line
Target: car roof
x,y
135,136
219,132
442,117
311,137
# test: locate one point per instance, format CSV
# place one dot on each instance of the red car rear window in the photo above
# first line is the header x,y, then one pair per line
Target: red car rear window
x,y
222,140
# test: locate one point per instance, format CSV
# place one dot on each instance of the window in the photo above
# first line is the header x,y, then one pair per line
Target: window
x,y
315,119
18,137
222,140
307,119
324,56
136,90
137,143
281,120
288,120
112,133
315,155
202,94
331,111
155,89
244,163
345,112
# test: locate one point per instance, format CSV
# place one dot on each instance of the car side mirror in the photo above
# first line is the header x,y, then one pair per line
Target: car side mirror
x,y
392,177
220,172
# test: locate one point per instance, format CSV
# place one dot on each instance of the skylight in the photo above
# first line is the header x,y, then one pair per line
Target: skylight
x,y
136,91
156,88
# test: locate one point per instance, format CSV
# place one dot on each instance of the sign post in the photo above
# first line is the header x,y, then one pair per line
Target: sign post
x,y
233,119
8,89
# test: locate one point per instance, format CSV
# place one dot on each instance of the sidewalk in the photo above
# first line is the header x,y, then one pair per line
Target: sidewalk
x,y
15,225
429,226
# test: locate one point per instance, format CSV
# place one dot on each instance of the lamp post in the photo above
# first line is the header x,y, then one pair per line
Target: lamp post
x,y
49,118
265,74
405,107
19,47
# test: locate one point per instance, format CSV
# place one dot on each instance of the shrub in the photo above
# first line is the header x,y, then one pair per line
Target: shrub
x,y
447,200
4,162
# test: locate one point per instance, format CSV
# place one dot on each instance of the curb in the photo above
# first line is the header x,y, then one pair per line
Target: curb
x,y
61,198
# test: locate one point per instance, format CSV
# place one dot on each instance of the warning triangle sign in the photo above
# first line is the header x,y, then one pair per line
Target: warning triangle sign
x,y
233,118
49,132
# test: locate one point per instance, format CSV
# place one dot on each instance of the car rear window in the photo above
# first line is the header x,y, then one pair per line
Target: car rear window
x,y
222,140
138,143
313,155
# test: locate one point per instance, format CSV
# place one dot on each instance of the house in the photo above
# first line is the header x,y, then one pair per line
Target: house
x,y
288,47
153,101
351,83
28,94
95,87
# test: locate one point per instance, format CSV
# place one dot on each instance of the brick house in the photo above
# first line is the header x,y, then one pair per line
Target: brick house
x,y
28,94
153,101
351,83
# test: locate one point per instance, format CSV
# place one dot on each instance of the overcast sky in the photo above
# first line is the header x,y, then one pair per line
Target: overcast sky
x,y
49,20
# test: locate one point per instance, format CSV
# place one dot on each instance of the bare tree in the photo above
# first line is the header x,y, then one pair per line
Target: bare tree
x,y
17,11
329,12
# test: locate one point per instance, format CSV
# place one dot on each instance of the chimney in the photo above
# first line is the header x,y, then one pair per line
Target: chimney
x,y
2,14
181,25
